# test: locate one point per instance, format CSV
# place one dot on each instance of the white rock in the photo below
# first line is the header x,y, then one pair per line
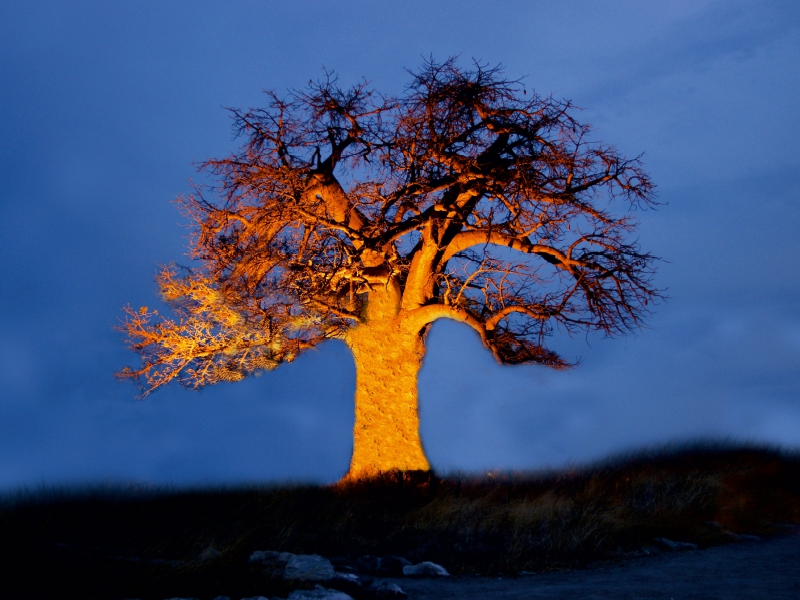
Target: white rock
x,y
347,577
425,569
319,593
308,567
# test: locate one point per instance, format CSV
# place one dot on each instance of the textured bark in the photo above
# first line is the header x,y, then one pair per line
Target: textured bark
x,y
388,354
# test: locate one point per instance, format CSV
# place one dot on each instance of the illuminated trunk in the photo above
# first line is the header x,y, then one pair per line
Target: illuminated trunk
x,y
388,357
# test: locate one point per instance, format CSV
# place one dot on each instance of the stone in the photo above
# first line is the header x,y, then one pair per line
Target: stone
x,y
319,593
349,583
368,564
274,563
343,564
676,545
425,569
268,557
308,567
392,566
386,589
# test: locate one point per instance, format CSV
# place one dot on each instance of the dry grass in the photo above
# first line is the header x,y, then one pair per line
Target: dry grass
x,y
147,543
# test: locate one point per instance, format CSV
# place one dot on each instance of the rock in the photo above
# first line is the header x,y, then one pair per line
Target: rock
x,y
368,564
269,557
349,583
274,563
389,566
425,569
319,593
676,545
299,567
366,580
343,564
308,567
392,566
385,589
229,598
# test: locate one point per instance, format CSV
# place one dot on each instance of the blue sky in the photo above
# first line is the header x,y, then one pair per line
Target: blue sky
x,y
106,106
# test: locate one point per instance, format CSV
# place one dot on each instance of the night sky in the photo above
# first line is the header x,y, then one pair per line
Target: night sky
x,y
106,107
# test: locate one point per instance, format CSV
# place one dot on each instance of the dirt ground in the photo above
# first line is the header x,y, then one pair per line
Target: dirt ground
x,y
759,569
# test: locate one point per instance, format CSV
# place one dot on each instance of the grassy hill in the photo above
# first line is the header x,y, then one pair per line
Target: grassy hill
x,y
115,542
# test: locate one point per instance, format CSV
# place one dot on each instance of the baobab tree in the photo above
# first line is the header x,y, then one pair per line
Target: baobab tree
x,y
355,216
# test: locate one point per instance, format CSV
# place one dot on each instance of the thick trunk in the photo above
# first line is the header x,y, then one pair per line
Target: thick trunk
x,y
388,356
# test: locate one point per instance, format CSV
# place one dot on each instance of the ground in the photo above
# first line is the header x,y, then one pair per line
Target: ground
x,y
767,569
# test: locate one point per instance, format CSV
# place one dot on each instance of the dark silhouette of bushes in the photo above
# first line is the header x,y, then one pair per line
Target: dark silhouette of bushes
x,y
113,541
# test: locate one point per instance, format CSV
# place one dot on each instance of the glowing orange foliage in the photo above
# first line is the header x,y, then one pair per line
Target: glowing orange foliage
x,y
210,342
355,216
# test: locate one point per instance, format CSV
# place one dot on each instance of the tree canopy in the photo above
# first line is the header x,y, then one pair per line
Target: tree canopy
x,y
467,197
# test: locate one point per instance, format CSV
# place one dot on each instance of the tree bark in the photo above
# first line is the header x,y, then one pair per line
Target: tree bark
x,y
388,355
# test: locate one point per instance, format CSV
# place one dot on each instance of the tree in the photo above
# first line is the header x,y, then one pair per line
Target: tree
x,y
354,216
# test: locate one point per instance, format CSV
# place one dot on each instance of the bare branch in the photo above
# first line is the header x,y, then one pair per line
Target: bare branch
x,y
464,198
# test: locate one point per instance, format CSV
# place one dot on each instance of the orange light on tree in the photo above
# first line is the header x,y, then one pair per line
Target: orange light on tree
x,y
354,216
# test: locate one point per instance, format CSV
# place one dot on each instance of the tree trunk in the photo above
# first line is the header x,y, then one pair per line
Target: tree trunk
x,y
388,356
